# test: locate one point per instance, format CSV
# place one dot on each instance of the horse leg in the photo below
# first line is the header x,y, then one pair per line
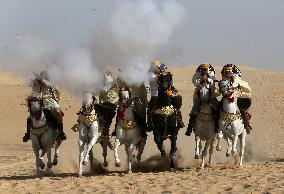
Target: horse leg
x,y
229,150
81,156
219,138
198,145
94,137
173,152
204,153
104,145
36,151
159,143
91,158
211,150
242,146
56,153
49,163
129,152
116,146
235,141
141,146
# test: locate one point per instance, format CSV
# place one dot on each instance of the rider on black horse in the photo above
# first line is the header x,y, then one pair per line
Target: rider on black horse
x,y
156,69
205,73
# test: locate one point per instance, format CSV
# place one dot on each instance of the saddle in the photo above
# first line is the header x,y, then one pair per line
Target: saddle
x,y
39,131
87,119
127,124
165,111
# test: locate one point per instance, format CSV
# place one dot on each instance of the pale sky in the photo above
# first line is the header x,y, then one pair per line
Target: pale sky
x,y
245,32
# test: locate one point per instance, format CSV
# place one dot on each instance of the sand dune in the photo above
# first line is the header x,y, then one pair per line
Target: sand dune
x,y
263,169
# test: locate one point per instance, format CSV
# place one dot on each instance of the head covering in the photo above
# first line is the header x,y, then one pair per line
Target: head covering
x,y
154,66
230,68
163,67
44,75
108,78
205,68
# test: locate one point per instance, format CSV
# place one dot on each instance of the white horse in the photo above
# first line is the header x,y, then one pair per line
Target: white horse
x,y
231,122
127,131
42,135
205,126
89,134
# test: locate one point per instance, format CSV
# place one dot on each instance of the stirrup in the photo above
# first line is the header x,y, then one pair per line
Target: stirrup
x,y
61,136
188,132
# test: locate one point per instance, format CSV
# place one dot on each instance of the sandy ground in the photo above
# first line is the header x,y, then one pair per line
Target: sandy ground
x,y
263,170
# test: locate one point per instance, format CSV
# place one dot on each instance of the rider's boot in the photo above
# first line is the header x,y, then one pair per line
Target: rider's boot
x,y
247,123
190,126
180,123
27,134
61,135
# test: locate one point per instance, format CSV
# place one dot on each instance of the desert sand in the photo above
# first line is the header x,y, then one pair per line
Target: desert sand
x,y
263,170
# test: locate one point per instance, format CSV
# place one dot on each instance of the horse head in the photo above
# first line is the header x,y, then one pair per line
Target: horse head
x,y
125,97
88,102
225,88
35,104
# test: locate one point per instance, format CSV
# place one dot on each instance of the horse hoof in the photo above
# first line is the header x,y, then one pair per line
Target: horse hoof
x,y
172,169
79,175
54,163
228,154
42,166
129,172
49,165
117,164
172,164
219,149
196,157
234,153
105,164
163,154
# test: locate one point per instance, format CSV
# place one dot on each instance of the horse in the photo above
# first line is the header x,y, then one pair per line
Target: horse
x,y
89,134
231,122
43,135
204,129
165,117
127,130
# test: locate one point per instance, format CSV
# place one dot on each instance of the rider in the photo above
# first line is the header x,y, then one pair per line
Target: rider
x,y
139,97
51,109
156,69
233,73
108,99
204,74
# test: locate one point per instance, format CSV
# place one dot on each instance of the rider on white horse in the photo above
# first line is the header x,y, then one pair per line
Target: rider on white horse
x,y
157,68
51,96
139,98
233,73
204,74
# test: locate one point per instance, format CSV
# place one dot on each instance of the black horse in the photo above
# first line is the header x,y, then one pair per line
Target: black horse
x,y
165,117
